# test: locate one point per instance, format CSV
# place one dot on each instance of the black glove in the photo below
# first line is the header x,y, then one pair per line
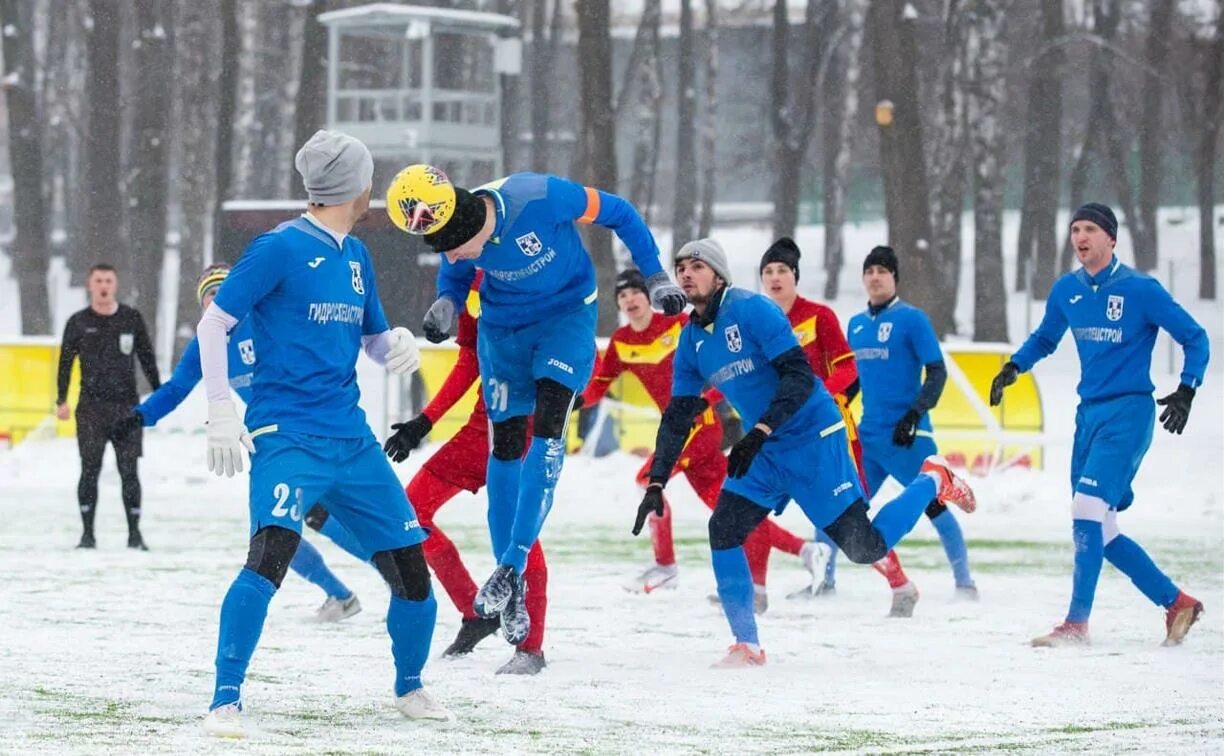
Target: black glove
x,y
741,455
1005,378
665,295
906,429
1176,409
407,437
133,420
651,502
439,320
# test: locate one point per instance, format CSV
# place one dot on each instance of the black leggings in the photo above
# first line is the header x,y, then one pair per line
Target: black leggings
x,y
735,517
94,423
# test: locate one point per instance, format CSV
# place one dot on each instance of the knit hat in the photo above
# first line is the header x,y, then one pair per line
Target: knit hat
x,y
631,278
884,257
709,252
210,280
783,251
335,168
1099,214
464,223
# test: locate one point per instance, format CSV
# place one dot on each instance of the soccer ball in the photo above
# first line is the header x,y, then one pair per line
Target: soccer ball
x,y
420,200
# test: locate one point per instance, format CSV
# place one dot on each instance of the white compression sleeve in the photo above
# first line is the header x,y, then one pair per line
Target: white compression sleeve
x,y
214,351
376,346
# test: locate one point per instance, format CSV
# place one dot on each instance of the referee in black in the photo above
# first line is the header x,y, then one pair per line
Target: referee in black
x,y
108,337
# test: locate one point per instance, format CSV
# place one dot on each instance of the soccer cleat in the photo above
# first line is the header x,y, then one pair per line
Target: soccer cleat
x,y
225,722
815,558
515,622
87,541
495,593
1181,615
523,663
135,541
1066,634
654,578
905,598
952,489
967,593
818,589
741,655
760,599
471,632
418,704
334,609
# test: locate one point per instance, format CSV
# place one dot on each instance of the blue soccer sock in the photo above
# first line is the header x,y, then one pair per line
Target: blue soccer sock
x,y
541,468
898,516
411,626
953,541
308,563
1133,561
340,535
502,482
1089,556
735,591
242,617
830,576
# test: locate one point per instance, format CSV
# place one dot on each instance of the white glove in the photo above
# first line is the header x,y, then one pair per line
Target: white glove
x,y
226,437
403,354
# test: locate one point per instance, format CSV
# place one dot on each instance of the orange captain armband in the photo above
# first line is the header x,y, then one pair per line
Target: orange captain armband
x,y
592,207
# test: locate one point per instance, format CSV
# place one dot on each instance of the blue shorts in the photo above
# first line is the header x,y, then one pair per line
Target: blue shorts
x,y
882,458
350,477
513,359
1111,438
813,469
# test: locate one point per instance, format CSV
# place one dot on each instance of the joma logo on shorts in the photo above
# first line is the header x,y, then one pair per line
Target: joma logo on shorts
x,y
846,486
554,362
411,524
1088,481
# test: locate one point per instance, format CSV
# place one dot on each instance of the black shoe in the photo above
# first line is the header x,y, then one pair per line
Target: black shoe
x,y
136,542
523,663
87,541
471,632
515,622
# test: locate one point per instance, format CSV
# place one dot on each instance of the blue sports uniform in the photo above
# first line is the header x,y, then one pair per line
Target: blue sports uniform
x,y
538,311
310,301
891,349
1114,317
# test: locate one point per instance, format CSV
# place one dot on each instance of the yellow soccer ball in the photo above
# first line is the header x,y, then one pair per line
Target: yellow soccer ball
x,y
421,199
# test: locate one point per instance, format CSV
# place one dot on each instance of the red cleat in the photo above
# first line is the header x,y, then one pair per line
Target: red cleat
x,y
739,656
1066,634
952,489
1181,615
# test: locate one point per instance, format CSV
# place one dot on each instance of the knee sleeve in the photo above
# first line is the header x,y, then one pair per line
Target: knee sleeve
x,y
733,519
856,536
271,551
510,439
935,509
552,409
316,517
405,572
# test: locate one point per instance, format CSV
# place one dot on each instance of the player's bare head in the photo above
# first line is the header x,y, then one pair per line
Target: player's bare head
x,y
1094,233
880,274
102,283
631,296
780,269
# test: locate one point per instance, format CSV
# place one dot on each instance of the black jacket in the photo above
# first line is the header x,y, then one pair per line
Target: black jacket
x,y
108,346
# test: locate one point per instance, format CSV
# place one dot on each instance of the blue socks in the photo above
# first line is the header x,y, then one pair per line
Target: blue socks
x,y
540,471
830,576
735,591
410,625
1130,558
1089,556
242,617
899,516
953,541
340,535
308,562
502,481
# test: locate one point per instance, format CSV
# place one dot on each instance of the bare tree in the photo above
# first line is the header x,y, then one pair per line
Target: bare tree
x,y
543,55
103,198
311,85
29,247
509,86
1147,248
948,150
646,76
709,122
223,155
684,197
1208,138
246,121
839,144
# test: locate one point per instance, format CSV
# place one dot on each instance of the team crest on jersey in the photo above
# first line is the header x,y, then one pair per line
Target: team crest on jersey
x,y
530,244
358,286
734,342
884,331
1113,307
126,342
246,349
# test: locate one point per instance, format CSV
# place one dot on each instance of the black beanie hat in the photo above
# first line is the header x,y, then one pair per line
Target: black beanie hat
x,y
783,251
1100,215
884,257
631,278
464,223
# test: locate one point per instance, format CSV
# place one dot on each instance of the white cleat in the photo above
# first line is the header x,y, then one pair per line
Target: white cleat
x,y
904,599
225,722
418,704
815,556
655,578
334,609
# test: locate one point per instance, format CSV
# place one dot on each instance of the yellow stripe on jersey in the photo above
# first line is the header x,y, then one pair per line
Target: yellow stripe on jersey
x,y
473,303
805,332
652,353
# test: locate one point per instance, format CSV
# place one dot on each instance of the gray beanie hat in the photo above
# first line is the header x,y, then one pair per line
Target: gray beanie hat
x,y
709,252
335,168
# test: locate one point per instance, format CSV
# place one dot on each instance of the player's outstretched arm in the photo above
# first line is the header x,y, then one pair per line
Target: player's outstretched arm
x,y
1042,342
171,394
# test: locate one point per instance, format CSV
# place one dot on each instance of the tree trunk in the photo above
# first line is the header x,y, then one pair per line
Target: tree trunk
x,y
543,54
510,87
839,146
986,56
227,83
902,161
246,124
29,247
684,198
103,214
648,82
1208,137
311,95
1147,248
709,122
599,138
948,152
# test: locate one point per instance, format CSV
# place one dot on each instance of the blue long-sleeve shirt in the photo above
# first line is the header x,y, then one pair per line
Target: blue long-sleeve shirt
x,y
1114,317
187,374
535,265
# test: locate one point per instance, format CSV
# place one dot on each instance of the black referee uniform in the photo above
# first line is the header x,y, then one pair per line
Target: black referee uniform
x,y
107,346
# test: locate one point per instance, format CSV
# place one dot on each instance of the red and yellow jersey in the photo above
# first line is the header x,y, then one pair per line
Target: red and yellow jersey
x,y
467,368
647,355
820,334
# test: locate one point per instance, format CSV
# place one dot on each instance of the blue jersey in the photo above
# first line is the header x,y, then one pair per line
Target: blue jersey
x,y
1114,317
891,349
733,354
187,374
309,303
535,265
